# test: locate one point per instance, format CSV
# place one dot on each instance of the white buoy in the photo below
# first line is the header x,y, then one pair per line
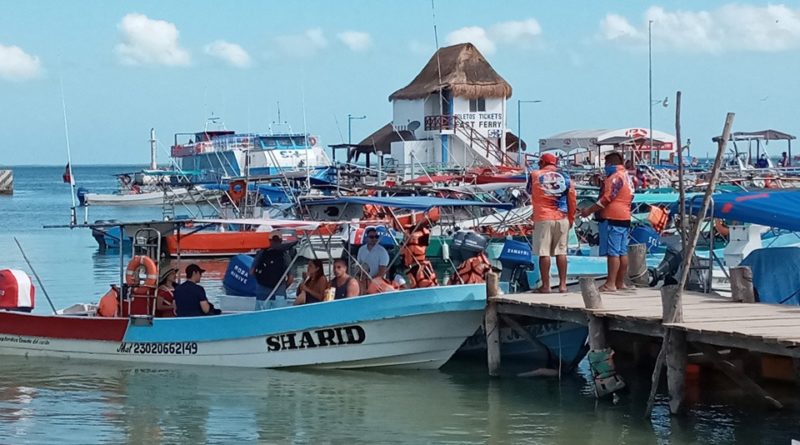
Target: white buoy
x,y
445,251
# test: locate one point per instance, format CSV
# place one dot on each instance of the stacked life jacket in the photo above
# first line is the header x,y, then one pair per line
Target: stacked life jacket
x,y
414,250
472,270
422,275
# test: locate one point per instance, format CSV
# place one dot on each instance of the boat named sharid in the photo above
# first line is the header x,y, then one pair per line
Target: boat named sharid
x,y
345,335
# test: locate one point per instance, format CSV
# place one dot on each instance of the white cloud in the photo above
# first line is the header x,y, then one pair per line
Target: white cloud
x,y
732,27
232,53
305,44
147,41
475,35
519,32
355,40
522,33
17,65
616,27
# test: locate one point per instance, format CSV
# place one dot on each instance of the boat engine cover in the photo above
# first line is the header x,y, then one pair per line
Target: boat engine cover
x,y
516,253
16,290
237,280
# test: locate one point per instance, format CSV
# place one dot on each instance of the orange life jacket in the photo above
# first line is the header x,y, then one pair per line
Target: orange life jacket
x,y
472,270
422,275
379,285
109,304
414,250
658,218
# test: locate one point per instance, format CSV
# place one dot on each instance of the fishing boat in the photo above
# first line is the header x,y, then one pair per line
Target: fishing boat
x,y
159,197
413,328
417,328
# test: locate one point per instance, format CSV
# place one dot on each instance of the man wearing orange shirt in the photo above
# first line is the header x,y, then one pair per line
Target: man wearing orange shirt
x,y
614,217
554,203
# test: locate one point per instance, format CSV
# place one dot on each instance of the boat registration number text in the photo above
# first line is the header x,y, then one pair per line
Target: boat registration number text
x,y
173,348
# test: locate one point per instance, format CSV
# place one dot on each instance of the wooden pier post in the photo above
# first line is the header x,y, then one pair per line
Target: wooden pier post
x,y
590,294
742,284
637,264
593,300
492,326
676,355
6,182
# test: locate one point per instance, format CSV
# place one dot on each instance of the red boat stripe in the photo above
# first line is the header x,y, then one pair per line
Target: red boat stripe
x,y
78,328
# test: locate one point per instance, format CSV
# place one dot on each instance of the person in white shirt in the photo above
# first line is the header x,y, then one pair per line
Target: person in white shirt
x,y
373,255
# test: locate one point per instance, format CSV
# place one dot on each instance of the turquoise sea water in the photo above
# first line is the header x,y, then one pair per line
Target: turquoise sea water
x,y
59,401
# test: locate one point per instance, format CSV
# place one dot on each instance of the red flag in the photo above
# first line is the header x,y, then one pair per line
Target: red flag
x,y
66,176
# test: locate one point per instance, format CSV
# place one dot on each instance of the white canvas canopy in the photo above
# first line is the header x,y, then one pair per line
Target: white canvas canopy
x,y
607,140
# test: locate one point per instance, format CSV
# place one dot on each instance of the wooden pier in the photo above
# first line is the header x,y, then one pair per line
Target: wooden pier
x,y
706,323
6,182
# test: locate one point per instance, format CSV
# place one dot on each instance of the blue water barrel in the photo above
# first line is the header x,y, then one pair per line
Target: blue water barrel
x,y
647,236
237,280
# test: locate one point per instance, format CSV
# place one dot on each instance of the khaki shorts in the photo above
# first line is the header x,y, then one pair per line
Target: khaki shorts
x,y
550,237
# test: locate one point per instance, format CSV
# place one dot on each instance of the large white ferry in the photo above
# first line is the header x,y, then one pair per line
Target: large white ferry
x,y
217,154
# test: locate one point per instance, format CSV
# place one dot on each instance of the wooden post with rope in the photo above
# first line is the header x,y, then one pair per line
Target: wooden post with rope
x,y
637,264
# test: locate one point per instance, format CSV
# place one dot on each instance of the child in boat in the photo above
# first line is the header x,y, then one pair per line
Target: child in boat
x,y
312,289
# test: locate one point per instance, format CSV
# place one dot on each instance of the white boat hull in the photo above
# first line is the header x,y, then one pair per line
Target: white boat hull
x,y
157,198
418,328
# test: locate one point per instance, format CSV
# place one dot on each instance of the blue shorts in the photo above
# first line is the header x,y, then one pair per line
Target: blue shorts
x,y
613,240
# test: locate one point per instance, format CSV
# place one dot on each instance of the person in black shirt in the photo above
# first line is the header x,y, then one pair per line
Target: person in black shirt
x,y
268,268
190,297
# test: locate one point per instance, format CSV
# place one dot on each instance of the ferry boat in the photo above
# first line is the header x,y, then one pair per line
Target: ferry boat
x,y
220,154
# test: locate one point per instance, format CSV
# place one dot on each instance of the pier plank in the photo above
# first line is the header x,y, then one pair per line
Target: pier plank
x,y
707,318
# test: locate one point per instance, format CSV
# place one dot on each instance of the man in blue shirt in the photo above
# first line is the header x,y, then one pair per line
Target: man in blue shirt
x,y
190,297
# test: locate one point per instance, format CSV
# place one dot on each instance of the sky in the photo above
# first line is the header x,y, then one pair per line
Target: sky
x,y
123,67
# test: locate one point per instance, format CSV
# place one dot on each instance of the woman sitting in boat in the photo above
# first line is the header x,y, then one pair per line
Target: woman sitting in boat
x,y
165,301
343,285
312,289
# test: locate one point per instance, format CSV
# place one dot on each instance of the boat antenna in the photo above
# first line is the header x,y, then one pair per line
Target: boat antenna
x,y
438,62
305,130
73,215
38,280
279,110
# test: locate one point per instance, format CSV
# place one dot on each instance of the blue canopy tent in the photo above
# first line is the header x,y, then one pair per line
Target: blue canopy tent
x,y
780,209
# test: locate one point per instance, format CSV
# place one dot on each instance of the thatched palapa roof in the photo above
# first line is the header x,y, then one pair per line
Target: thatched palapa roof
x,y
464,71
381,140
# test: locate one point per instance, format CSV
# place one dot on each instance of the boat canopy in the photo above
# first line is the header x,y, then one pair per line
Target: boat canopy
x,y
777,209
422,203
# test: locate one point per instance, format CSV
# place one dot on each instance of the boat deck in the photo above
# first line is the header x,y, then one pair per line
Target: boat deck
x,y
707,318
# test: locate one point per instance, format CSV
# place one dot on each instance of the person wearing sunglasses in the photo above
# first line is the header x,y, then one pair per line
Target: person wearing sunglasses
x,y
373,255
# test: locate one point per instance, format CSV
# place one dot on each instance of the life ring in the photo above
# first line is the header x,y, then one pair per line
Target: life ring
x,y
312,140
133,273
237,190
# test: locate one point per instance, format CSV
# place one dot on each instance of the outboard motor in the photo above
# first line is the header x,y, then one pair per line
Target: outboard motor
x,y
81,193
16,291
670,265
458,240
517,260
237,279
99,235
